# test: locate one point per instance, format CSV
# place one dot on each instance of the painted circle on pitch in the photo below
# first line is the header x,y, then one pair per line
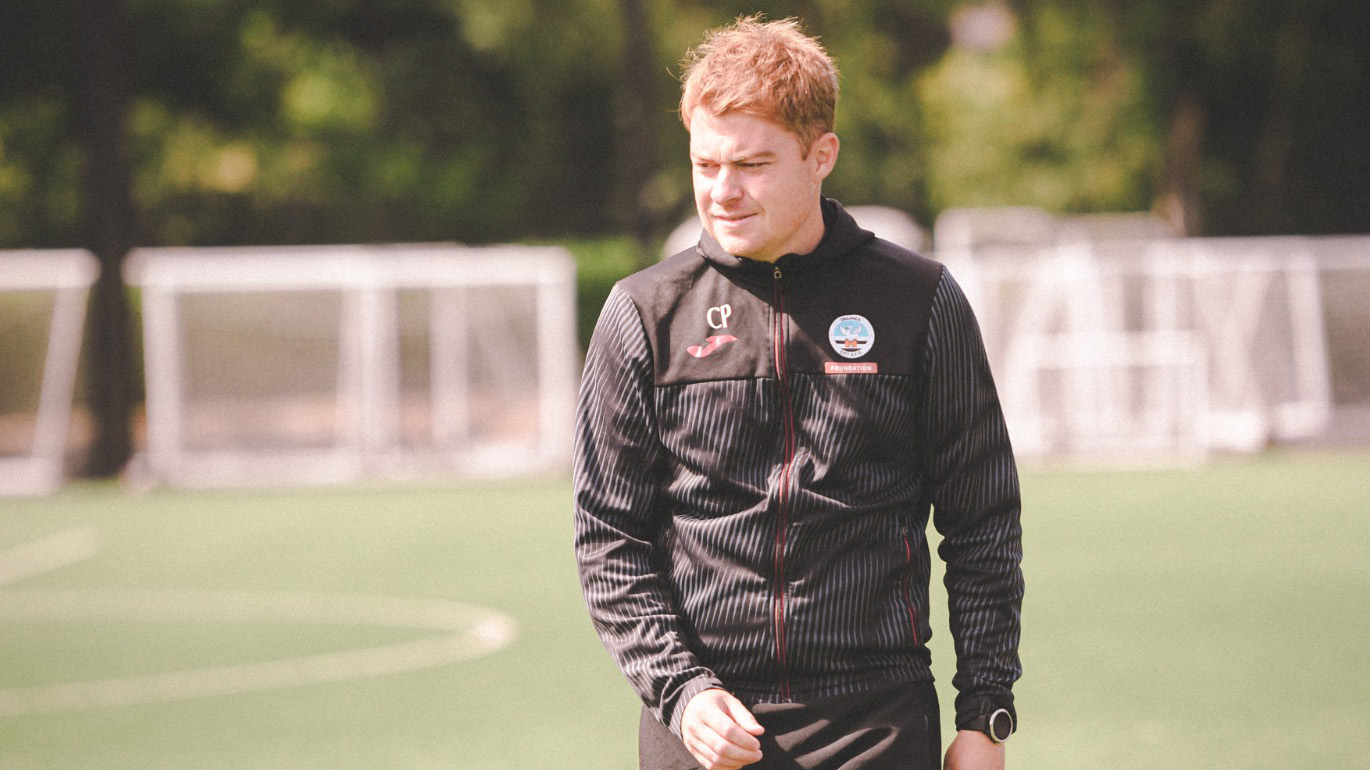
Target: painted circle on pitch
x,y
461,632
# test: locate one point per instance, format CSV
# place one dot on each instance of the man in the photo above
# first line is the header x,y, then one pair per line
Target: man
x,y
766,421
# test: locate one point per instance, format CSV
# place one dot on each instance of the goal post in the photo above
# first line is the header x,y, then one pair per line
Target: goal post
x,y
1112,340
341,363
43,296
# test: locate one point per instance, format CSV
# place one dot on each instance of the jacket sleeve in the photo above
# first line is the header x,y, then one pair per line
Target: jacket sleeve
x,y
618,457
973,486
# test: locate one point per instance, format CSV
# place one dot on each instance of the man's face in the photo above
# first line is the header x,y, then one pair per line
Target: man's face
x,y
757,192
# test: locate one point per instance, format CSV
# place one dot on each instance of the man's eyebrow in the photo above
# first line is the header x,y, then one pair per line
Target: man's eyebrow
x,y
763,155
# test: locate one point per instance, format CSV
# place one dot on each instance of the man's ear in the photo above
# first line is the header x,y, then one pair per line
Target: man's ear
x,y
823,153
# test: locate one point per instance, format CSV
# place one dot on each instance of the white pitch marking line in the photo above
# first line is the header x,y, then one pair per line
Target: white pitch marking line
x,y
469,632
60,550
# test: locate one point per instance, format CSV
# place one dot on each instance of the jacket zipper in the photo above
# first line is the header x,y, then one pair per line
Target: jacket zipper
x,y
908,577
782,502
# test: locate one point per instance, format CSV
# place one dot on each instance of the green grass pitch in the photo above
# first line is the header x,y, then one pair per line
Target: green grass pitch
x,y
1214,617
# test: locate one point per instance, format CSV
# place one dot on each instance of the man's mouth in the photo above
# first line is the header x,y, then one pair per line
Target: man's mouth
x,y
732,218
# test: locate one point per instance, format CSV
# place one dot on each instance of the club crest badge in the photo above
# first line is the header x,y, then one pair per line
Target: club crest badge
x,y
852,336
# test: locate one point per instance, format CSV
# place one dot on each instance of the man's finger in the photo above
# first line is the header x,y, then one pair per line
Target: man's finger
x,y
714,752
721,755
743,716
728,738
726,727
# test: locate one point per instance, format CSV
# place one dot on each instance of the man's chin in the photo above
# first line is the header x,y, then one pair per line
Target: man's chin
x,y
738,247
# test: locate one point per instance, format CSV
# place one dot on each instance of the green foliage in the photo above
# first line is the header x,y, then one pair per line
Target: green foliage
x,y
39,174
1061,120
343,121
884,157
267,121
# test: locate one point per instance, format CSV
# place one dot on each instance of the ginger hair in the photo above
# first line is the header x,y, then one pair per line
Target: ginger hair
x,y
770,69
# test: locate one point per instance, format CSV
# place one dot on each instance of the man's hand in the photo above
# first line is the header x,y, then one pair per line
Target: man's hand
x,y
719,731
973,750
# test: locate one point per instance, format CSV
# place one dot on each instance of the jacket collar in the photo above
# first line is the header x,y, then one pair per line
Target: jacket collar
x,y
841,236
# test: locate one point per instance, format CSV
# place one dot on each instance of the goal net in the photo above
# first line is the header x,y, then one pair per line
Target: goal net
x,y
1110,338
303,364
42,310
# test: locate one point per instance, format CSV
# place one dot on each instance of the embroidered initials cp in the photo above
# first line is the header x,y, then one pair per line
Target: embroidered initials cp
x,y
718,316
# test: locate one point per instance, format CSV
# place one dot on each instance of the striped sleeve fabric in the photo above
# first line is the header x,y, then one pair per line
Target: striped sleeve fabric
x,y
973,486
616,479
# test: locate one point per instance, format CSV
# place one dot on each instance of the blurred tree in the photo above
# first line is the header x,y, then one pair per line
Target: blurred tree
x,y
40,161
636,125
109,221
1261,107
882,47
351,121
256,121
1054,115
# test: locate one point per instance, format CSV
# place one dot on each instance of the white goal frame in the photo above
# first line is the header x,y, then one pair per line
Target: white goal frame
x,y
68,274
1112,341
368,279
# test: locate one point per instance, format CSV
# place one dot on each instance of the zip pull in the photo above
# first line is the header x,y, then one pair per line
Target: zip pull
x,y
777,273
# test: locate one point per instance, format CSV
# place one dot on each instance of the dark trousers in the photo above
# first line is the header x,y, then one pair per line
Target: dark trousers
x,y
892,728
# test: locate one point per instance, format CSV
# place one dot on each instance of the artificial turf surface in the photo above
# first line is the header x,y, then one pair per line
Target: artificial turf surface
x,y
1207,617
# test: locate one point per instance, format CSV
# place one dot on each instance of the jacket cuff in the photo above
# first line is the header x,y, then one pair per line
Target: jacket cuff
x,y
968,707
692,688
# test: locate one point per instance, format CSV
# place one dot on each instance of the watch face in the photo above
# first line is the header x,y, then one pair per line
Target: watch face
x,y
1000,725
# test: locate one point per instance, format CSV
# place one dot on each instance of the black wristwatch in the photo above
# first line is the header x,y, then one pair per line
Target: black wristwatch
x,y
998,725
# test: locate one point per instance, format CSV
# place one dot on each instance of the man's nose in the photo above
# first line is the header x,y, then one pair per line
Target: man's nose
x,y
727,186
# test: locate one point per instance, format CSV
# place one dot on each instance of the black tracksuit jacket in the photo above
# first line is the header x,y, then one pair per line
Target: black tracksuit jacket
x,y
758,447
